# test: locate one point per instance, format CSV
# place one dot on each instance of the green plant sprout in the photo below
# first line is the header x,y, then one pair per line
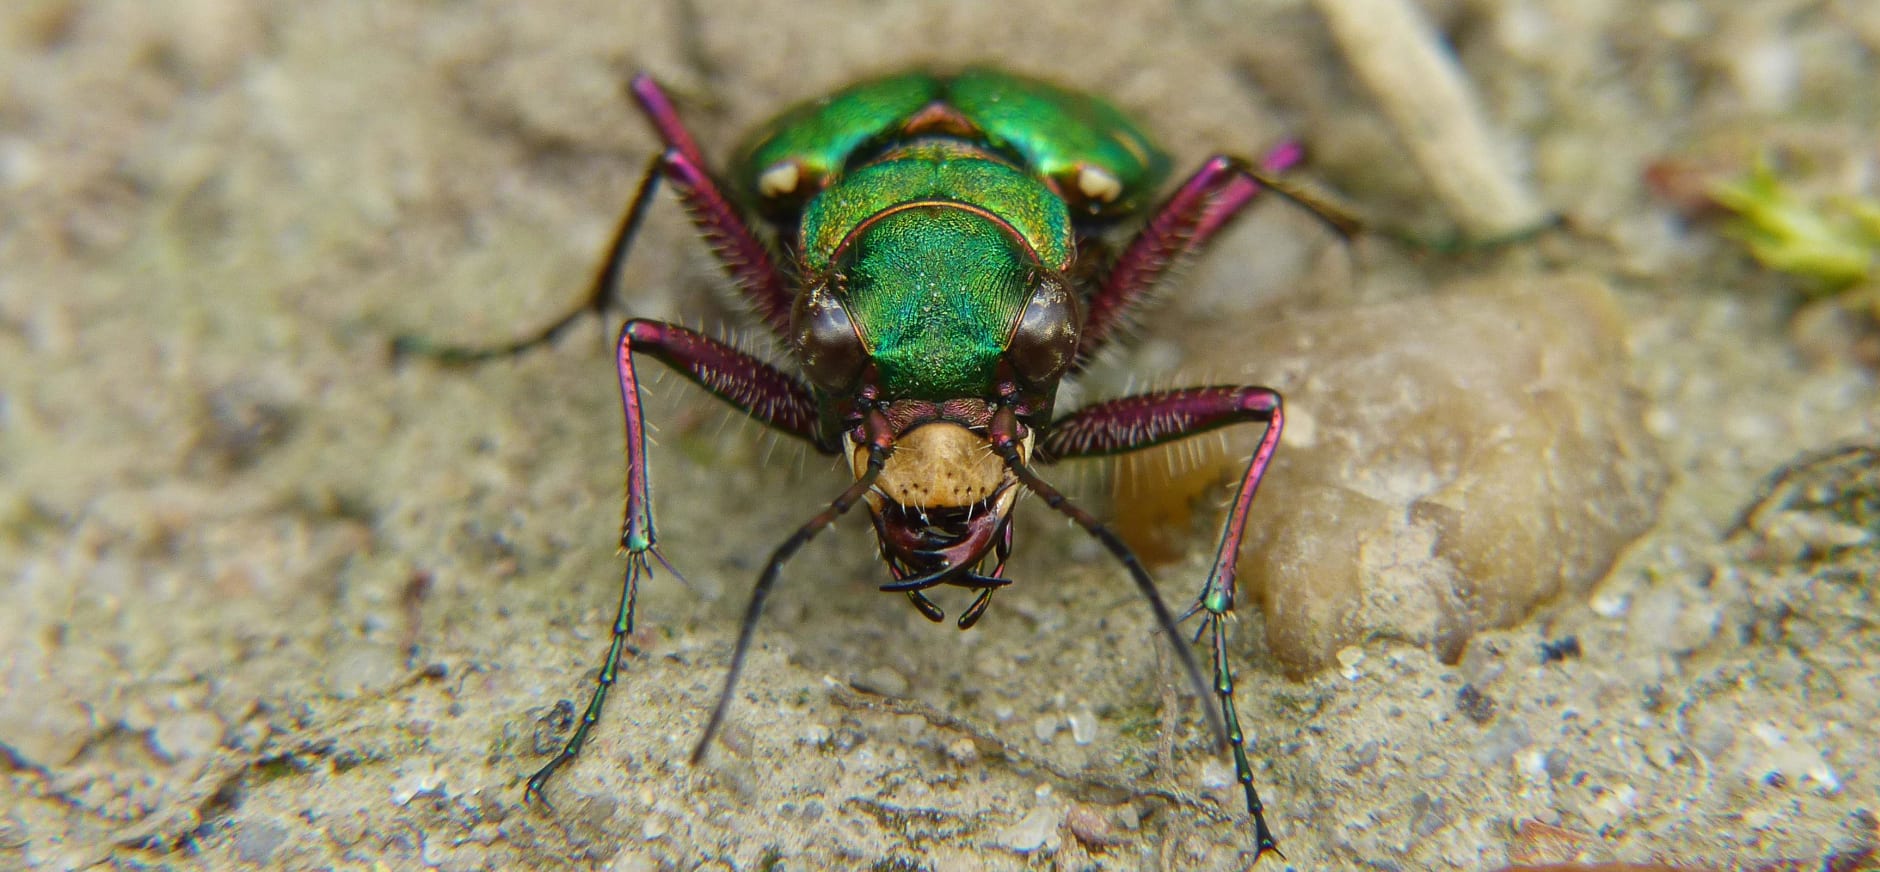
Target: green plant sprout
x,y
1833,246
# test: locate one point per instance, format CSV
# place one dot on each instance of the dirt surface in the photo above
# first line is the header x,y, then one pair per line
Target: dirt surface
x,y
275,600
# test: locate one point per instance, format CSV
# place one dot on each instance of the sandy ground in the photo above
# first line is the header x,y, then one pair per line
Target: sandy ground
x,y
273,600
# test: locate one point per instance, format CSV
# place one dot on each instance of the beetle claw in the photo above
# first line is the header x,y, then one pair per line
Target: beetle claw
x,y
926,607
981,582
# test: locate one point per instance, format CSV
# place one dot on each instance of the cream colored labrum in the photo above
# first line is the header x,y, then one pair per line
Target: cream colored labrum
x,y
941,465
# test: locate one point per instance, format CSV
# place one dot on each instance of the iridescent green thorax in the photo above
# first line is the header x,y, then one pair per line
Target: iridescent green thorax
x,y
936,247
938,171
934,291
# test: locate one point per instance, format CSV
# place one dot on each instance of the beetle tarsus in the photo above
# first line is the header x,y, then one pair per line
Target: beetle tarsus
x,y
1132,423
637,567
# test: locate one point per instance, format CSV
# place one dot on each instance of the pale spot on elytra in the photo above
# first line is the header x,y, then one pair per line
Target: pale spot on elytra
x,y
1098,184
780,179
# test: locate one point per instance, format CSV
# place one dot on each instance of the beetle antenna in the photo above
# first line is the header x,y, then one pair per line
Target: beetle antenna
x,y
1006,444
878,451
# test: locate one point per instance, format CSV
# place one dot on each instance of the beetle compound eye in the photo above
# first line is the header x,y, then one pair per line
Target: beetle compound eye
x,y
827,345
1044,342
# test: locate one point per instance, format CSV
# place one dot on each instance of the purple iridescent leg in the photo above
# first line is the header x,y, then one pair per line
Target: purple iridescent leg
x,y
1206,202
1133,423
1005,434
753,387
743,255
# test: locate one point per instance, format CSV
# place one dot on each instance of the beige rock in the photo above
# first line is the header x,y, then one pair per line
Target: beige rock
x,y
1451,464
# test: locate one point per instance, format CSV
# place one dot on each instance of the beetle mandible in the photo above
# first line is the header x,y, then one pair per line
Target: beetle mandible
x,y
942,263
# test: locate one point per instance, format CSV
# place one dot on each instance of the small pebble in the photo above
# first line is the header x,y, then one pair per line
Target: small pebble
x,y
1083,723
1610,605
347,830
1045,727
186,735
1478,706
1348,659
1037,829
421,778
1427,815
1793,758
1092,828
1362,757
256,841
1815,531
1502,741
1566,648
1557,764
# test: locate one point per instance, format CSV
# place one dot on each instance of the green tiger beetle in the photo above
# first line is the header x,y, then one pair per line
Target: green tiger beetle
x,y
943,260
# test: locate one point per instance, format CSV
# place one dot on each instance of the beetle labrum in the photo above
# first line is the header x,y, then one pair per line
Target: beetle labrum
x,y
947,267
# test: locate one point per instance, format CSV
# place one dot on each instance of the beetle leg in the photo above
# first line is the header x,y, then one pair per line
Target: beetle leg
x,y
1206,202
595,302
744,257
755,388
1133,423
1004,435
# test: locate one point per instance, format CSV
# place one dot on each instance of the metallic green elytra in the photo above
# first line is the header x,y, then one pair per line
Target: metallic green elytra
x,y
1062,133
1057,133
791,158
